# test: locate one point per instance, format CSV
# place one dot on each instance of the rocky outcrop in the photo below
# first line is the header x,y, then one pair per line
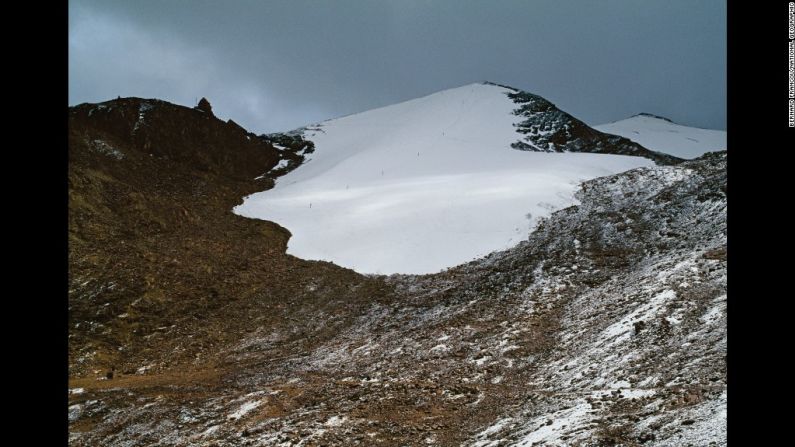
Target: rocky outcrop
x,y
205,106
549,129
546,128
194,138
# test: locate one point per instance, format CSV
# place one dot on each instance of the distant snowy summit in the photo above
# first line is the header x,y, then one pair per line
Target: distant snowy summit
x,y
661,134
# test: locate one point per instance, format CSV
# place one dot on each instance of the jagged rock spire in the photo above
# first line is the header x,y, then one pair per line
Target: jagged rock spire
x,y
205,106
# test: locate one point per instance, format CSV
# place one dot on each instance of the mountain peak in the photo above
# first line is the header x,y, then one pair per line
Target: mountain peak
x,y
449,154
534,123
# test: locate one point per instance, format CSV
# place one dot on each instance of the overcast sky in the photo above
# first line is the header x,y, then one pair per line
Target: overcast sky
x,y
277,65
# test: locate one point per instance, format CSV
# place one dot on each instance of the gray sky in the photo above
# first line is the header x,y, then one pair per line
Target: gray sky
x,y
278,65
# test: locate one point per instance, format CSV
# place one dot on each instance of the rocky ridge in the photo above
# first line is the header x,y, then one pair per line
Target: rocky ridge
x,y
546,128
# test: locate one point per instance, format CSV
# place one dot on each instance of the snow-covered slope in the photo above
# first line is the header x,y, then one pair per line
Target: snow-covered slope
x,y
423,185
606,327
663,135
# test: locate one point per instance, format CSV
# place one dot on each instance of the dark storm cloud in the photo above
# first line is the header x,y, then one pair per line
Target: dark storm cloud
x,y
277,65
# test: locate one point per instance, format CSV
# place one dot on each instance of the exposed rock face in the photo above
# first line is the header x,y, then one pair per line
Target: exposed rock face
x,y
549,129
606,327
205,106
